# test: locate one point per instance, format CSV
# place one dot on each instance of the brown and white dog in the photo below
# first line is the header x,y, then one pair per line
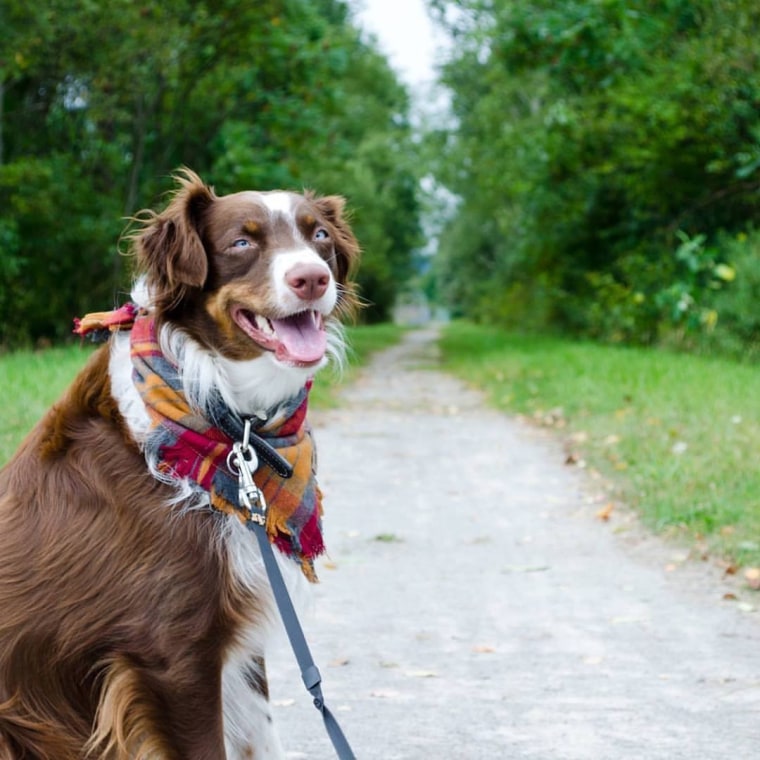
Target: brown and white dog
x,y
133,618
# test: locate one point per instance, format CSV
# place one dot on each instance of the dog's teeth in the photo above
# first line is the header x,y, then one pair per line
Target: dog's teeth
x,y
264,324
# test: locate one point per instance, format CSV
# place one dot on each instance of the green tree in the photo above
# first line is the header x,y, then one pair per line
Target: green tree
x,y
588,135
100,102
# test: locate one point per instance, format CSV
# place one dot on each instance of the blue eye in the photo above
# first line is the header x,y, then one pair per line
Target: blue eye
x,y
241,243
321,234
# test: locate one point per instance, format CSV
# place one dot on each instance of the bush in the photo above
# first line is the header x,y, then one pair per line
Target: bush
x,y
737,306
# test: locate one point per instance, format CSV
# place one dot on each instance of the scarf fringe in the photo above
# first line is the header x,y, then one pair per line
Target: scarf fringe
x,y
106,322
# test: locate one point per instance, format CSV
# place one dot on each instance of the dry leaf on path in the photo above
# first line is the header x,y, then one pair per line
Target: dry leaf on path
x,y
605,512
752,576
385,694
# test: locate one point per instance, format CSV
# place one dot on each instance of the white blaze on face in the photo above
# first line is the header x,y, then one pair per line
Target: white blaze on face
x,y
303,336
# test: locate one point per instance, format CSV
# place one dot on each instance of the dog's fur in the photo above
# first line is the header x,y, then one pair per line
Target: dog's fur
x,y
132,617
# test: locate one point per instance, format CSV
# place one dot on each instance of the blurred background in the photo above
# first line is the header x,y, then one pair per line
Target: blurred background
x,y
585,168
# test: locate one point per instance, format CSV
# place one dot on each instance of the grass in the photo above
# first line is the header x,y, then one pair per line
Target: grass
x,y
35,379
677,435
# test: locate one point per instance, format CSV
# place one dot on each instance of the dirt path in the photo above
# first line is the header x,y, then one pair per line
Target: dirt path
x,y
473,607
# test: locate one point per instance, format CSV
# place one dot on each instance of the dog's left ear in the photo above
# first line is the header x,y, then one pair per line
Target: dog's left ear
x,y
169,248
347,250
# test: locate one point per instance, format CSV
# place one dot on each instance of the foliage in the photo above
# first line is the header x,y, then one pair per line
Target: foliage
x,y
591,140
737,319
100,102
669,432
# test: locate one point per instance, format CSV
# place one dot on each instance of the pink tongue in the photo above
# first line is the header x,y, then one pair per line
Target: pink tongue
x,y
302,339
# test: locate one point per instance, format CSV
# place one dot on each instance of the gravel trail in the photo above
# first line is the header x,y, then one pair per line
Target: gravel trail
x,y
472,606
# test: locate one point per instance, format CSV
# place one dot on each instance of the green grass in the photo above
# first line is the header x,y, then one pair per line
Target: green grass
x,y
678,435
33,380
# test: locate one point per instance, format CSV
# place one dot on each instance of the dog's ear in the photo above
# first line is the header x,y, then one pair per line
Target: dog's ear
x,y
169,247
347,250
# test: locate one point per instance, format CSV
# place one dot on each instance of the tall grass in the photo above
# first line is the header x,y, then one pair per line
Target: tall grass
x,y
679,435
33,380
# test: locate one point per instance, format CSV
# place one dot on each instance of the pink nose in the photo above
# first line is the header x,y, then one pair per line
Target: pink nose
x,y
308,281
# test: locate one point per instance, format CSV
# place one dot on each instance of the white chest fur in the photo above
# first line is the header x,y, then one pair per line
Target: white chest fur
x,y
248,724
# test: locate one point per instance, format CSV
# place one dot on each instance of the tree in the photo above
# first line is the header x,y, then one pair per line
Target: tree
x,y
588,135
101,102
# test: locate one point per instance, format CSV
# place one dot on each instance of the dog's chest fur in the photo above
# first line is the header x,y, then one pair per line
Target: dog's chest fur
x,y
246,709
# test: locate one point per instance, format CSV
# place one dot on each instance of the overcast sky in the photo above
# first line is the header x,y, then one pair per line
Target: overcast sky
x,y
405,33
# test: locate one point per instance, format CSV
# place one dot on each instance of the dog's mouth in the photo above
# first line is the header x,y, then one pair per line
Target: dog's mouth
x,y
299,339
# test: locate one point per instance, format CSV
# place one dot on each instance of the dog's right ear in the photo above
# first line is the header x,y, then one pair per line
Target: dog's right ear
x,y
169,247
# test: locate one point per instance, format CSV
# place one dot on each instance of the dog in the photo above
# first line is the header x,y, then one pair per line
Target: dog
x,y
134,610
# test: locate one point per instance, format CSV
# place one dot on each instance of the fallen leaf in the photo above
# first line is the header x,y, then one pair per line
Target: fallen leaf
x,y
730,597
328,565
388,538
605,512
421,674
339,662
385,693
752,576
284,702
525,568
483,649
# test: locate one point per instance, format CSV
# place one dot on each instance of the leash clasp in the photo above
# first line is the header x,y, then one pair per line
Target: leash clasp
x,y
243,461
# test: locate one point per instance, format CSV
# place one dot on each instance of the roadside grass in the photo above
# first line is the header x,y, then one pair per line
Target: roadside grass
x,y
33,380
677,436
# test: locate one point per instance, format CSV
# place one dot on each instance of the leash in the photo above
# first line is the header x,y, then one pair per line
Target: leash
x,y
243,461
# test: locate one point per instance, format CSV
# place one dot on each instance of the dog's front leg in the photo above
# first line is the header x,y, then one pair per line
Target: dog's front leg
x,y
248,725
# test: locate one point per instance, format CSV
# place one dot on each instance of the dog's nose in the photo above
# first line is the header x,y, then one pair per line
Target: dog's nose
x,y
308,281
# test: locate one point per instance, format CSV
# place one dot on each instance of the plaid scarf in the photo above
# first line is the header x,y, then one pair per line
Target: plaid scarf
x,y
187,444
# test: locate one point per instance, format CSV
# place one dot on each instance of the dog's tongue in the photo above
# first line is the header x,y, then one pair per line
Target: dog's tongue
x,y
302,339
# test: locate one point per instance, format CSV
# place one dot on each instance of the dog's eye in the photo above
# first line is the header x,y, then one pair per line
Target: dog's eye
x,y
241,243
321,234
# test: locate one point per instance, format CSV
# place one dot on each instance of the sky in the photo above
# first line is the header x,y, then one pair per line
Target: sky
x,y
406,35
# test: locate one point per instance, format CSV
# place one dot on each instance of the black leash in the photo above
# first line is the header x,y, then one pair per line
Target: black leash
x,y
243,460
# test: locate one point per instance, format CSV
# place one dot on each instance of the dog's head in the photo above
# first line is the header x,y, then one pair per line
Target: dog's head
x,y
252,273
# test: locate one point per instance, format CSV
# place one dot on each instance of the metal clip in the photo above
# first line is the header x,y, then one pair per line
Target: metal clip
x,y
243,461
